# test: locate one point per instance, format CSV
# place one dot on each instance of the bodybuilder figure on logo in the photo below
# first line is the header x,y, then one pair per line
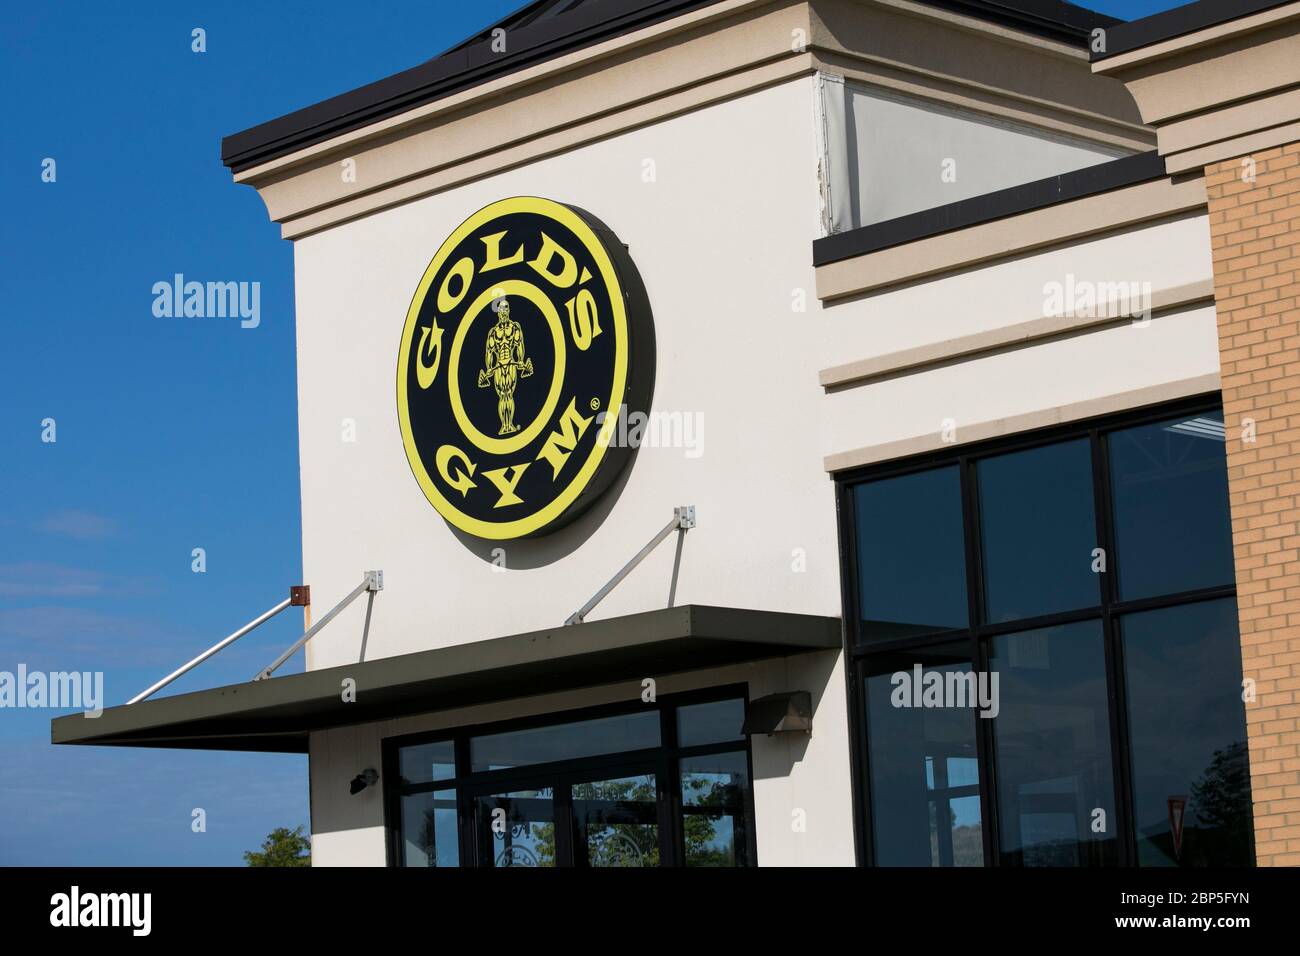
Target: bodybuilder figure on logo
x,y
504,358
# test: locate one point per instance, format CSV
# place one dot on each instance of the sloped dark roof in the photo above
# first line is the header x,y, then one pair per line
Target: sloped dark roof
x,y
545,29
1178,22
538,11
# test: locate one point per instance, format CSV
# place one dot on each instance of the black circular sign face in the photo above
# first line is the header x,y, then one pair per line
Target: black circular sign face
x,y
529,334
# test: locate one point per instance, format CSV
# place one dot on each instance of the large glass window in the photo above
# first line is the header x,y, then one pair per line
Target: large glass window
x,y
587,738
714,808
664,783
715,722
923,762
1056,795
428,762
429,835
1191,783
1100,646
911,567
1038,530
1169,480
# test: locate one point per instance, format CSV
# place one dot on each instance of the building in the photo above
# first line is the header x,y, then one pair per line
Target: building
x,y
945,349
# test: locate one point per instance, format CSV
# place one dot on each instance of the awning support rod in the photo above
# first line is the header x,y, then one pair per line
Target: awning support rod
x,y
373,581
677,563
365,631
153,689
683,521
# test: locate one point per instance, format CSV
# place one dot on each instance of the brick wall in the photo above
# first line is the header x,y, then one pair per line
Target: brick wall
x,y
1255,240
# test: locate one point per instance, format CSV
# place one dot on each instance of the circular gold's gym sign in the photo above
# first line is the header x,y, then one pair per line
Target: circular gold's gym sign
x,y
529,332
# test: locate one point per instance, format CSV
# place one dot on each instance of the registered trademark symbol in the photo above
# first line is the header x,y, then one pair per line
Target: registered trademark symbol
x,y
595,404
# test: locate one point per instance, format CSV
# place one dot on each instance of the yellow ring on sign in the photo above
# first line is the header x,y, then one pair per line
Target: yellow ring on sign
x,y
538,520
505,446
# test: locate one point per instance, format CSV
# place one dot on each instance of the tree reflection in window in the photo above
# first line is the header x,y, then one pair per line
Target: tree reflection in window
x,y
616,821
713,809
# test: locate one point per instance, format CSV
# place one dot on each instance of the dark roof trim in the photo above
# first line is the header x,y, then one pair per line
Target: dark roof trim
x,y
1177,22
465,65
1053,19
1104,177
278,714
547,29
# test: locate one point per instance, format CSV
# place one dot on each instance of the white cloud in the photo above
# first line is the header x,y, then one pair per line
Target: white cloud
x,y
82,525
36,579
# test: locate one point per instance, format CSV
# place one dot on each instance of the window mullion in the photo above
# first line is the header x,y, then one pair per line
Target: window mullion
x,y
984,742
1123,824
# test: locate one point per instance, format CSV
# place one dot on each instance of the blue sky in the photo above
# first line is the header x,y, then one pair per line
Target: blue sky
x,y
172,434
1129,9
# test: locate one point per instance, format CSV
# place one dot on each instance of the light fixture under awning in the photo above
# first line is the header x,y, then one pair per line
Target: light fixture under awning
x,y
277,714
790,712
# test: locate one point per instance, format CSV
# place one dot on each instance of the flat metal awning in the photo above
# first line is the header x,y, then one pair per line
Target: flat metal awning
x,y
277,714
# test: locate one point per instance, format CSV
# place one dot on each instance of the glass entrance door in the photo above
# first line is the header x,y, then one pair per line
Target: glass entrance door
x,y
516,827
615,821
648,783
607,819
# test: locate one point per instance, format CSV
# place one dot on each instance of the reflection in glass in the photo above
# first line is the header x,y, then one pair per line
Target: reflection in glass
x,y
1038,531
1169,484
618,819
522,833
713,809
425,763
923,767
963,834
585,738
1187,725
1052,741
716,722
615,822
429,832
911,556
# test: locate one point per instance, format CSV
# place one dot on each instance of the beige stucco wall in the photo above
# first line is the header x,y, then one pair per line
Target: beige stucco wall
x,y
1173,354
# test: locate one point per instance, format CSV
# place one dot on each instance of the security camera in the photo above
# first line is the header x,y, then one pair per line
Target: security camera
x,y
366,778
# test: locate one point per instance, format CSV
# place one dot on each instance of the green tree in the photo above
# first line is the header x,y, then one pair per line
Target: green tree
x,y
620,844
619,822
1220,827
704,845
284,847
1221,798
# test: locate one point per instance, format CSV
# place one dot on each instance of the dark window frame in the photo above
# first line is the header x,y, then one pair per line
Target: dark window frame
x,y
664,759
977,633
